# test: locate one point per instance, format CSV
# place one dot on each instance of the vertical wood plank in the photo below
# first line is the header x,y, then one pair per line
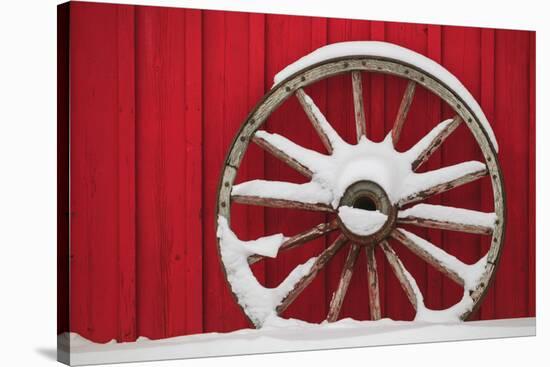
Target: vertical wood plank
x,y
191,250
253,167
305,34
340,112
168,146
376,127
63,207
414,37
377,130
126,192
434,279
512,121
532,176
487,102
94,171
233,83
217,299
461,56
150,189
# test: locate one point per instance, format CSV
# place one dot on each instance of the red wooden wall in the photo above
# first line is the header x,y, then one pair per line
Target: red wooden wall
x,y
156,96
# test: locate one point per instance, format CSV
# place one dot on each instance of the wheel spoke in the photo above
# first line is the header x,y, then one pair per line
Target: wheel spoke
x,y
276,194
345,278
405,278
301,159
302,238
282,156
423,185
360,123
319,264
449,265
449,218
326,132
403,111
432,141
374,289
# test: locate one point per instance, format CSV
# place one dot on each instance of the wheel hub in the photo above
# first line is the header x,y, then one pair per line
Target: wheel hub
x,y
370,197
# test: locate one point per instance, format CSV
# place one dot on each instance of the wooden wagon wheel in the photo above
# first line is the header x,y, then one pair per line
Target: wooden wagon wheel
x,y
370,204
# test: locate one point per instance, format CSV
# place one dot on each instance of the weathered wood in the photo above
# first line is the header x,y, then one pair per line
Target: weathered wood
x,y
282,156
301,95
445,225
280,203
337,66
374,288
403,111
301,238
345,278
426,256
401,273
442,187
436,142
357,84
319,264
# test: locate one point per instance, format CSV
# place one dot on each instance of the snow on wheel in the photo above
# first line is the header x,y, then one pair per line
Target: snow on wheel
x,y
369,188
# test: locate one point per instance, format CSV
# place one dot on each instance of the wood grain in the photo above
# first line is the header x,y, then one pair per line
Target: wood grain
x,y
374,287
512,114
443,187
94,138
63,167
309,306
435,281
487,103
426,256
532,176
357,85
464,246
302,238
400,273
436,142
168,147
406,101
282,156
416,125
143,195
320,262
127,306
340,293
301,95
340,110
233,81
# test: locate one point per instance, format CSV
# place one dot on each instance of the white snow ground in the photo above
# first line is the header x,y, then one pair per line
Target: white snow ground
x,y
297,337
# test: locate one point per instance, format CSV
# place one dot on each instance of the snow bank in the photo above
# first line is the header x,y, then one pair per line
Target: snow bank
x,y
394,52
301,336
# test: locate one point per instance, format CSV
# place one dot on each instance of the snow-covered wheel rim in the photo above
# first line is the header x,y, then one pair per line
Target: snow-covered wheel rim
x,y
389,192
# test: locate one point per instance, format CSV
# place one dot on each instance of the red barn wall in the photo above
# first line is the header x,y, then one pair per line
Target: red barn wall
x,y
156,96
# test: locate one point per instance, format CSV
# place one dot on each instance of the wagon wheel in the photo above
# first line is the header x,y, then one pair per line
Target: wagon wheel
x,y
370,205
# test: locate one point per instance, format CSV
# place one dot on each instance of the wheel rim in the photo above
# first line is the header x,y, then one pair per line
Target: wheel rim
x,y
474,290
